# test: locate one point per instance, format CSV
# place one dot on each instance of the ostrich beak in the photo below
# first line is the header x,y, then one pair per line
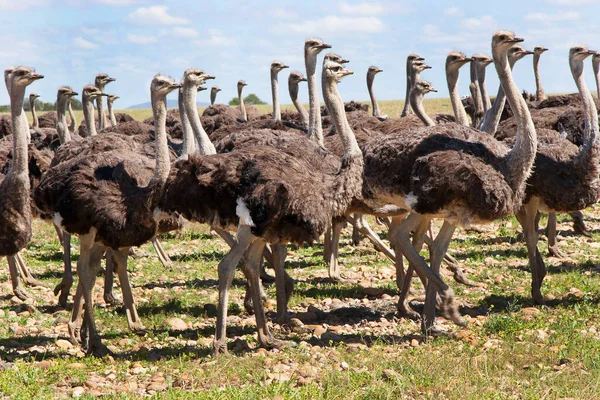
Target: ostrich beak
x,y
516,40
433,90
324,46
73,94
110,80
36,76
347,72
285,66
207,77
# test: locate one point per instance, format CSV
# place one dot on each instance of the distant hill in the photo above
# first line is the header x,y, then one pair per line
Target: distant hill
x,y
170,104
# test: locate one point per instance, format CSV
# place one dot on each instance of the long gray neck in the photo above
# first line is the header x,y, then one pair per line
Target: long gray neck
x,y
111,114
596,66
519,160
19,171
35,123
88,115
100,107
213,97
475,95
539,90
293,87
189,145
275,95
374,104
587,160
242,107
459,111
198,136
491,119
407,110
163,161
315,129
335,105
416,102
61,126
487,103
72,116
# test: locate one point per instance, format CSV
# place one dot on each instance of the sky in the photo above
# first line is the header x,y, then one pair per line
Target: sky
x,y
70,41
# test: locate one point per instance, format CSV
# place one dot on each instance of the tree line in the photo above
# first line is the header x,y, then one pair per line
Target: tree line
x,y
42,105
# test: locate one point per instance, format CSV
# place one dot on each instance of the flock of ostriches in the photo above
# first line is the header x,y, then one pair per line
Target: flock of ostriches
x,y
261,182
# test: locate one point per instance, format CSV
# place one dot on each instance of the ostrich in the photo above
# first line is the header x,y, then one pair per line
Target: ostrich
x,y
276,67
109,103
410,60
482,61
240,86
293,83
475,94
73,122
15,200
213,94
596,68
100,82
451,172
539,90
565,177
35,124
371,72
270,195
116,210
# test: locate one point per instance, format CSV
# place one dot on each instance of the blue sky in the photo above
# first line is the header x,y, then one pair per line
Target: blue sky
x,y
69,41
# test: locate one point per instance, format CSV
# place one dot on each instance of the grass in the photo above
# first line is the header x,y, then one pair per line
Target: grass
x,y
508,349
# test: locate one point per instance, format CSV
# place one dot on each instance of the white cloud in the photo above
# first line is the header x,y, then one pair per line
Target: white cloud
x,y
185,32
362,9
282,13
433,34
477,23
454,12
141,39
549,18
216,38
12,5
84,44
333,25
117,2
154,15
572,3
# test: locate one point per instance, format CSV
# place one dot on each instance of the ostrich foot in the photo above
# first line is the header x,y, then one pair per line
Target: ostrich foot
x,y
556,252
96,348
138,328
272,343
248,306
460,277
74,333
21,293
220,347
579,225
449,309
337,278
266,278
405,311
64,288
111,300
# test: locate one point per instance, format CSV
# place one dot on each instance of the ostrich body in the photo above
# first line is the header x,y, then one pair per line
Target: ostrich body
x,y
101,81
15,200
259,189
410,60
371,72
116,210
451,172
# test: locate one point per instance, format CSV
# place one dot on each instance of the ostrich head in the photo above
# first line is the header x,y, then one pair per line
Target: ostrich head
x,y
517,52
539,50
334,72
414,57
313,46
215,90
91,92
111,98
277,66
23,76
33,96
202,88
577,54
296,77
421,66
336,58
102,80
195,76
482,59
503,40
373,70
241,84
456,59
66,92
596,58
423,87
162,85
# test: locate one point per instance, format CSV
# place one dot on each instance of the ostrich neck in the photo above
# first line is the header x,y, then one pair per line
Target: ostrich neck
x,y
596,66
163,162
491,119
487,104
72,116
335,105
19,172
519,160
475,91
293,87
35,123
539,90
213,97
407,110
242,107
459,111
186,127
198,134
275,94
375,105
88,116
111,114
589,153
416,102
100,107
315,129
61,126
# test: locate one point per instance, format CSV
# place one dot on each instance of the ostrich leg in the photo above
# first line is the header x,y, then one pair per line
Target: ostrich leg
x,y
18,289
284,284
334,267
356,232
578,224
64,287
133,320
162,255
109,277
551,233
26,275
526,217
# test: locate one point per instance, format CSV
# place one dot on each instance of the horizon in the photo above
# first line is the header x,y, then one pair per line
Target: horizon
x,y
132,40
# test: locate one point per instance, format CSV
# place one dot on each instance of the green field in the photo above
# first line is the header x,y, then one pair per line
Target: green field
x,y
351,345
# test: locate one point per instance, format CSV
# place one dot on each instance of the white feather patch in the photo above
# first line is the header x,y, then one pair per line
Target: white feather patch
x,y
243,213
411,200
58,219
159,215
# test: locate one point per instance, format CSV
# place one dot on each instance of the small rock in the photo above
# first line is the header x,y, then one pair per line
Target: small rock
x,y
176,324
45,364
488,261
414,343
344,365
390,375
530,311
63,344
295,323
372,291
157,386
302,381
78,391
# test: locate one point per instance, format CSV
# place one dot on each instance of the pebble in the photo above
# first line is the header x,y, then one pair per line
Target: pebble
x,y
372,291
63,344
414,343
78,391
176,324
344,365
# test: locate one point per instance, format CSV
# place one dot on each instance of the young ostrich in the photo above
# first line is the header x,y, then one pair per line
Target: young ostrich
x,y
451,172
109,103
410,60
116,211
100,82
482,61
271,196
540,94
213,94
293,85
371,72
276,67
15,199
